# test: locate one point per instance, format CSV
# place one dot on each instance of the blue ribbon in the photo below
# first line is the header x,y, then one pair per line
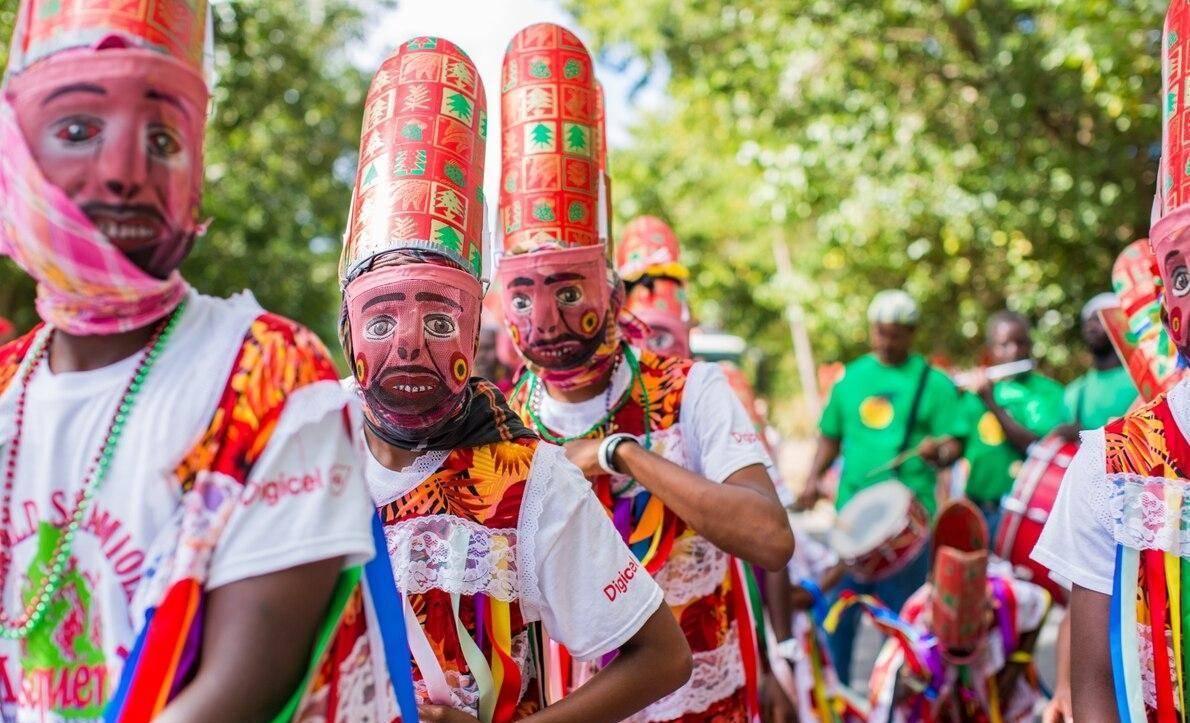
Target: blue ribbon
x,y
1117,652
390,614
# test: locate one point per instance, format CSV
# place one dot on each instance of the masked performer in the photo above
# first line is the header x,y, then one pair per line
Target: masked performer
x,y
181,490
648,260
669,450
490,529
1117,530
971,659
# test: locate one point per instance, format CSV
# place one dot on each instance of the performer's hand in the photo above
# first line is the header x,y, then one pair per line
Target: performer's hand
x,y
444,714
809,496
584,454
777,706
976,381
1059,710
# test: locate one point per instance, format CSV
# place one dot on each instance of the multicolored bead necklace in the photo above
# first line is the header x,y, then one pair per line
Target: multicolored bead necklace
x,y
536,391
39,602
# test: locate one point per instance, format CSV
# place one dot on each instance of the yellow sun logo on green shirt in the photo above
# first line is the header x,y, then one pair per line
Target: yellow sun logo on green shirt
x,y
876,412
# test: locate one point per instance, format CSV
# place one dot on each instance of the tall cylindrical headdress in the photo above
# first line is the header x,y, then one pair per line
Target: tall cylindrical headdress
x,y
649,246
420,180
549,190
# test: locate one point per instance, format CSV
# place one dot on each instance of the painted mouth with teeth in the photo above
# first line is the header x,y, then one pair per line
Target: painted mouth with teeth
x,y
127,227
416,390
562,353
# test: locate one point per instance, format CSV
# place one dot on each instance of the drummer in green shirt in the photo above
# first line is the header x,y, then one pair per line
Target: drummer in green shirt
x,y
1005,416
1106,391
888,404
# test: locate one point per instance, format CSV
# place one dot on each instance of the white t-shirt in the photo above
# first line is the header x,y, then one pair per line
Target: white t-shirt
x,y
1078,542
574,572
714,437
304,501
717,434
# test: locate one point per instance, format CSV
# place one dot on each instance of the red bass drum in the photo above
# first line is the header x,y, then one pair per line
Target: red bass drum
x,y
1025,510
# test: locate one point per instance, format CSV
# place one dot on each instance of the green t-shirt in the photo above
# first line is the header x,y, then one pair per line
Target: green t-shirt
x,y
1097,397
1035,402
868,411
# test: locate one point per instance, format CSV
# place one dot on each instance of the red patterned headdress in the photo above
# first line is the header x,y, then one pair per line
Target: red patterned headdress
x,y
420,179
959,601
649,246
551,157
176,28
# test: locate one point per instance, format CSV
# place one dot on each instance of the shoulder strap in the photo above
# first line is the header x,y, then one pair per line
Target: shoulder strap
x,y
914,407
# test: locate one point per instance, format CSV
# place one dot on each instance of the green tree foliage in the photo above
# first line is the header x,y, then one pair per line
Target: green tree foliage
x,y
977,153
281,148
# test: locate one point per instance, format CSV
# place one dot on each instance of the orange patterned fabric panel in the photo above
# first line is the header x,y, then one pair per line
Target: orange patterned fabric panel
x,y
11,355
278,357
482,484
1138,442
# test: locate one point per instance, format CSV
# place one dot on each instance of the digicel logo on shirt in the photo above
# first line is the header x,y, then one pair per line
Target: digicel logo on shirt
x,y
619,584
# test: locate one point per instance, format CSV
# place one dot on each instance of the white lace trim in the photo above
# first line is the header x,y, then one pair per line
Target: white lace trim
x,y
694,569
1148,684
1150,513
546,459
448,553
386,485
717,674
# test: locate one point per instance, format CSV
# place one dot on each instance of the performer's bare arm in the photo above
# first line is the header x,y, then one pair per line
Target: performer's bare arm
x,y
258,634
1058,710
742,516
779,602
1091,689
825,455
653,663
1016,434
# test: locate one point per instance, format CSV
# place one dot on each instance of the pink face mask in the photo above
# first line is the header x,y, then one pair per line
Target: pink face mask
x,y
102,184
1173,260
557,304
668,335
414,330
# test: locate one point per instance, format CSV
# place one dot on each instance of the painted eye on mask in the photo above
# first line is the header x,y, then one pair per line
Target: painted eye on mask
x,y
1180,281
379,328
521,303
440,326
164,142
661,340
569,295
78,129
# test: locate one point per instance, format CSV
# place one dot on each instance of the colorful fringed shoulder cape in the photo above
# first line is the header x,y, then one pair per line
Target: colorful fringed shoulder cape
x,y
276,359
713,595
1147,460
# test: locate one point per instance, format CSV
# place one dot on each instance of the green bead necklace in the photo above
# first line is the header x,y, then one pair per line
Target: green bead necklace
x,y
39,602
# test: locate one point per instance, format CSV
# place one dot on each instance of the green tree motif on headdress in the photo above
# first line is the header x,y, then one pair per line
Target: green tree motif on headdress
x,y
542,136
539,69
544,211
448,237
454,172
576,212
413,130
572,69
457,105
576,139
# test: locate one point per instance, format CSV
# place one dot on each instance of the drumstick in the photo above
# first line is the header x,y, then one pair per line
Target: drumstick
x,y
904,457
